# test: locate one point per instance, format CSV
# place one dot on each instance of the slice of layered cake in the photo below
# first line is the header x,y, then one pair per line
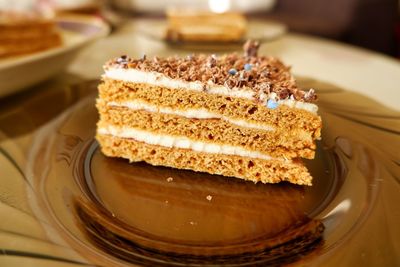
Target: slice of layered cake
x,y
235,115
27,31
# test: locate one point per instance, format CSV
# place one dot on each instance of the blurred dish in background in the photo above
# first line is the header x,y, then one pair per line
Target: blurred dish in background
x,y
203,26
77,6
212,24
28,8
260,30
19,35
76,32
74,4
27,26
218,6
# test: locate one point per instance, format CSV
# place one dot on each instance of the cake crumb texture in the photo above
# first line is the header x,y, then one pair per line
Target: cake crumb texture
x,y
256,170
283,117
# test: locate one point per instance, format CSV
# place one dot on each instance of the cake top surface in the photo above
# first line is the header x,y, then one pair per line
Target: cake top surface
x,y
264,75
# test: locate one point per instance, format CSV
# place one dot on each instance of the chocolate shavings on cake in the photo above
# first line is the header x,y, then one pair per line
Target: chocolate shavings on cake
x,y
262,74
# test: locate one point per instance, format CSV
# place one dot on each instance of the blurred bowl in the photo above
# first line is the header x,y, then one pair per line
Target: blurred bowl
x,y
17,73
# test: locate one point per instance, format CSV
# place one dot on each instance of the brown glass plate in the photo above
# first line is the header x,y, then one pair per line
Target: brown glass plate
x,y
63,203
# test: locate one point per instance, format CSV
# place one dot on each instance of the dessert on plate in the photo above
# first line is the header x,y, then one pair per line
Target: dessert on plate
x,y
238,115
25,30
202,26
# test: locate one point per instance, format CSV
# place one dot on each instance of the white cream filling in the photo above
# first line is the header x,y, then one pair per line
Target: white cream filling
x,y
180,142
310,107
200,113
159,79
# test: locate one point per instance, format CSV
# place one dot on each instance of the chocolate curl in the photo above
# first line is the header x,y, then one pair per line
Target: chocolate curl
x,y
250,48
310,95
211,61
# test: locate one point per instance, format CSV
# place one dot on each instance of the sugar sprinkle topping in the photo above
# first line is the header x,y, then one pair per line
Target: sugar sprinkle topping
x,y
267,76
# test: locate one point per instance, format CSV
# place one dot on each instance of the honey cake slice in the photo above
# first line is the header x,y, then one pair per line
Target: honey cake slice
x,y
234,115
27,33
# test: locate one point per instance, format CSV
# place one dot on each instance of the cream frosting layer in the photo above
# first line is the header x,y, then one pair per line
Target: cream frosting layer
x,y
310,107
155,78
181,142
189,113
159,79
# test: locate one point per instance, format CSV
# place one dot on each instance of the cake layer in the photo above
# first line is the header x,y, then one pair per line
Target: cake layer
x,y
199,113
274,142
282,117
26,31
173,141
256,170
258,78
23,46
158,79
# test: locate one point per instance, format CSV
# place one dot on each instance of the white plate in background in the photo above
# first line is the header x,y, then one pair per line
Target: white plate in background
x,y
17,73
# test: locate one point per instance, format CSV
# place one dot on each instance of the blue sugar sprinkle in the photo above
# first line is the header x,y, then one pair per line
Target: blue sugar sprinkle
x,y
247,66
232,71
272,104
